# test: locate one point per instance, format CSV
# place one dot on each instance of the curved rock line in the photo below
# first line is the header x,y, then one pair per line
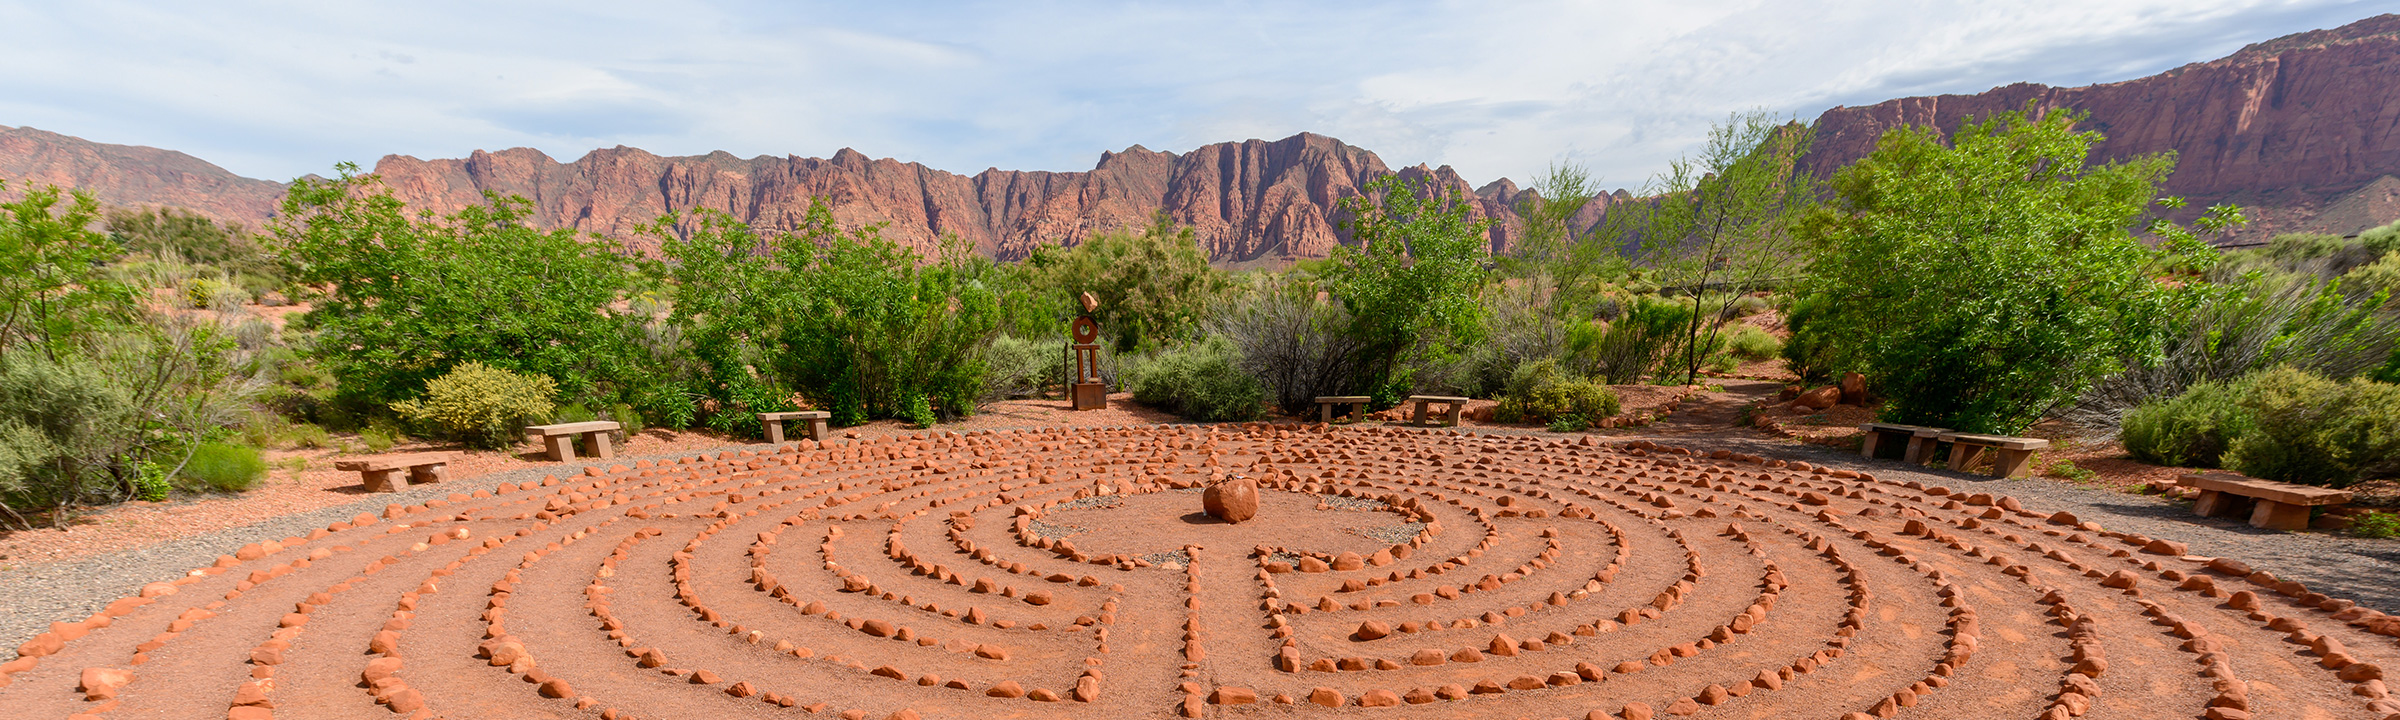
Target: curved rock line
x,y
1063,572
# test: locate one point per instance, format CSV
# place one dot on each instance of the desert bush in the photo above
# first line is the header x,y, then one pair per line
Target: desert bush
x,y
1987,277
2315,431
482,284
2188,430
1294,344
1201,381
1752,344
1154,284
2224,330
1021,367
481,405
224,467
62,424
1542,392
2378,524
1625,350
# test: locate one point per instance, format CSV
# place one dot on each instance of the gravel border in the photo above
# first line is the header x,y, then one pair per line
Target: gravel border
x,y
32,597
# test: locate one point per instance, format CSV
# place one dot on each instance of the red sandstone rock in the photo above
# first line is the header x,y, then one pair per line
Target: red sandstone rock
x,y
103,683
1232,500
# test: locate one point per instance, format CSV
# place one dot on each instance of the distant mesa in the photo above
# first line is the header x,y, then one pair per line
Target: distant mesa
x,y
2297,129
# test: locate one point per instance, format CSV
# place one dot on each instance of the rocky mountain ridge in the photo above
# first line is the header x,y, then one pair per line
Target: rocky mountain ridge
x,y
2303,130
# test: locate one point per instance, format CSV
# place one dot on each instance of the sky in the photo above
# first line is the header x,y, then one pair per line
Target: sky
x,y
277,90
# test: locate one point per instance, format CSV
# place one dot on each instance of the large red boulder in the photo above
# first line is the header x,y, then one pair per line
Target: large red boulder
x,y
1232,501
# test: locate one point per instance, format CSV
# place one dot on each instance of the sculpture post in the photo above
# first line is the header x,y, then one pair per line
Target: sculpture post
x,y
1086,391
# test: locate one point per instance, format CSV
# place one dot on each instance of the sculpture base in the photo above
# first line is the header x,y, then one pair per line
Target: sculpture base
x,y
1088,396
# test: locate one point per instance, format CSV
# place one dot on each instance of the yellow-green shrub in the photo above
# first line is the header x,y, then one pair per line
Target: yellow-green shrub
x,y
1540,392
481,405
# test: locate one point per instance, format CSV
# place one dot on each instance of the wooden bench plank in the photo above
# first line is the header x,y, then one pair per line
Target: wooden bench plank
x,y
381,474
574,428
1456,407
1920,441
561,438
2282,492
773,424
394,462
1326,404
2015,454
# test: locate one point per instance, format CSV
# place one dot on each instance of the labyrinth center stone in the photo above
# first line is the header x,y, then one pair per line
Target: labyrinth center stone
x,y
1065,573
1232,500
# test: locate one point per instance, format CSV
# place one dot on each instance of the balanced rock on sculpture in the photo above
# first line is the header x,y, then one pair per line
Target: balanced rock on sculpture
x,y
1232,500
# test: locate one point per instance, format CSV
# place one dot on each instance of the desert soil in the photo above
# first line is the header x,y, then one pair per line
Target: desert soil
x,y
1694,568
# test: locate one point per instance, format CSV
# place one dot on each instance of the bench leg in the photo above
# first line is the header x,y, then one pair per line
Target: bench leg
x,y
774,432
1457,411
816,430
1325,412
425,474
562,447
1919,450
595,444
2279,516
1423,407
378,481
2013,464
1866,445
2213,504
1963,456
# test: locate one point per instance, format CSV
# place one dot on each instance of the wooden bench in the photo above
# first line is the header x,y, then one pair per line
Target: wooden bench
x,y
560,439
774,423
1883,439
1457,406
2014,461
378,474
2274,505
1349,403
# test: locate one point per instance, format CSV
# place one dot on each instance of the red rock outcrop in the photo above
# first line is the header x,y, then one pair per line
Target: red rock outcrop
x,y
2303,130
1245,201
132,175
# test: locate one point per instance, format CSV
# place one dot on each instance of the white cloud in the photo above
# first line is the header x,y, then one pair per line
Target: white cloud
x,y
275,90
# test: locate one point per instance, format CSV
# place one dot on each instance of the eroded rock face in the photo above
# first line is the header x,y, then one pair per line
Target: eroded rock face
x,y
1243,200
2297,129
1232,501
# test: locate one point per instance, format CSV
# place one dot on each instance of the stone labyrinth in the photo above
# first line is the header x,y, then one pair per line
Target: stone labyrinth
x,y
1071,573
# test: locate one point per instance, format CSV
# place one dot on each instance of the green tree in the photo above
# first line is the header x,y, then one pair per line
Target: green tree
x,y
407,299
53,291
1410,278
1718,225
1154,284
727,295
875,330
1986,281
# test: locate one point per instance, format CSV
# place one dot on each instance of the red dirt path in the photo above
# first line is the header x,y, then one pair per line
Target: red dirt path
x,y
1062,572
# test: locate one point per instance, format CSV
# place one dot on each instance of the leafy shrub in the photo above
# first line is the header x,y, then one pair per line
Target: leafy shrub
x,y
61,424
2224,330
1022,368
2375,524
1540,392
1752,344
1988,276
2315,431
379,436
1293,344
202,293
1625,350
481,405
1202,381
2189,430
225,467
150,482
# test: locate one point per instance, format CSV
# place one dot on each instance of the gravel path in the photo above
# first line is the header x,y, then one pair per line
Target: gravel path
x,y
33,597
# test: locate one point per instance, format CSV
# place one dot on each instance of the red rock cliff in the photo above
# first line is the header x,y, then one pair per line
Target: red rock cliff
x,y
2303,130
1245,201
